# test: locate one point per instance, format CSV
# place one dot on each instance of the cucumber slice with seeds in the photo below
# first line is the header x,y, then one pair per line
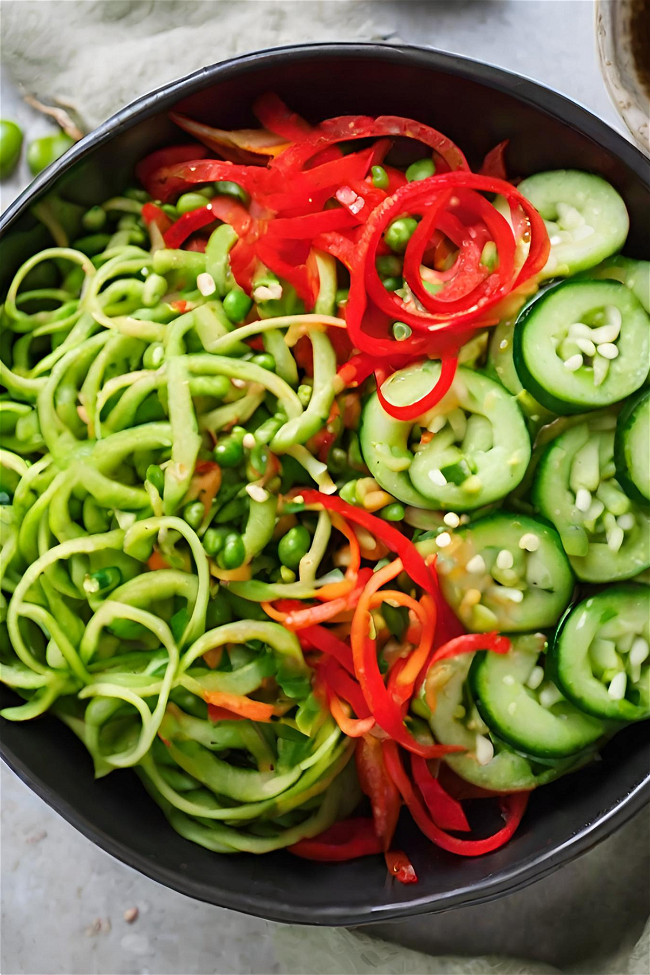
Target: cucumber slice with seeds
x,y
525,709
601,655
632,448
585,217
475,449
455,721
582,345
504,572
634,274
605,534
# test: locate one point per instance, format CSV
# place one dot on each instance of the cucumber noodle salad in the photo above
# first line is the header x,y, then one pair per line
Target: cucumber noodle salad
x,y
325,473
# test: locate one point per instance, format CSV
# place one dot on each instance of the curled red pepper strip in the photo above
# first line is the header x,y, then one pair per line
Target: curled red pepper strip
x,y
348,127
169,156
338,245
494,163
336,678
446,812
188,224
400,867
311,224
278,117
469,643
432,398
347,840
327,642
512,806
152,214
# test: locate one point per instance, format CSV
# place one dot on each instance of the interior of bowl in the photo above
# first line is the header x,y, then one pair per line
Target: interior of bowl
x,y
477,107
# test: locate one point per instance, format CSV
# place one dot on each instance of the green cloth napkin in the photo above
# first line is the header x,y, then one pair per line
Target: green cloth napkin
x,y
99,55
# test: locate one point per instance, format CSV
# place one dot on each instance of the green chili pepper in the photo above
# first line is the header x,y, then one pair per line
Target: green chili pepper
x,y
11,140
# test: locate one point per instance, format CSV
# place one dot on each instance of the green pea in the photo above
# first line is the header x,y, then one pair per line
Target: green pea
x,y
135,193
389,265
421,169
342,296
379,177
399,232
153,355
229,452
43,152
220,386
155,286
401,331
94,219
103,580
225,187
156,478
214,539
193,514
293,546
233,553
393,512
237,305
190,201
265,360
304,393
392,284
11,140
219,611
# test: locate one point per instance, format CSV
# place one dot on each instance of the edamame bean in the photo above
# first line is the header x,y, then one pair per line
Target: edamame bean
x,y
156,478
389,265
229,452
293,546
393,512
237,305
213,540
190,201
421,169
379,177
233,553
193,514
226,187
265,360
11,140
399,232
43,152
94,219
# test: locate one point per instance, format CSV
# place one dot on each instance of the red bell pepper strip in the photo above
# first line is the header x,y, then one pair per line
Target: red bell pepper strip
x,y
223,714
379,787
400,867
311,224
352,727
347,840
300,276
338,245
512,806
178,233
278,117
348,127
332,674
427,402
173,178
152,214
169,156
327,642
446,812
494,163
469,643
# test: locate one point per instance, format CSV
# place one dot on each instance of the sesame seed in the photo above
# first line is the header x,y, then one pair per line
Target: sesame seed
x,y
238,383
248,441
443,539
205,284
256,493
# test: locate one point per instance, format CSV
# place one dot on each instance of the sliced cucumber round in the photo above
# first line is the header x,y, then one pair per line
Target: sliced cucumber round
x,y
468,451
523,708
634,274
456,721
504,572
585,217
632,447
582,345
605,534
601,656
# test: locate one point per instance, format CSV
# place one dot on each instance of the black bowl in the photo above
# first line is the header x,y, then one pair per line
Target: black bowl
x,y
477,106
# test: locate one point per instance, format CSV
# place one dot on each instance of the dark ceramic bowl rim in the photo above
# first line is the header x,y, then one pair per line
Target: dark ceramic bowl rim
x,y
545,100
